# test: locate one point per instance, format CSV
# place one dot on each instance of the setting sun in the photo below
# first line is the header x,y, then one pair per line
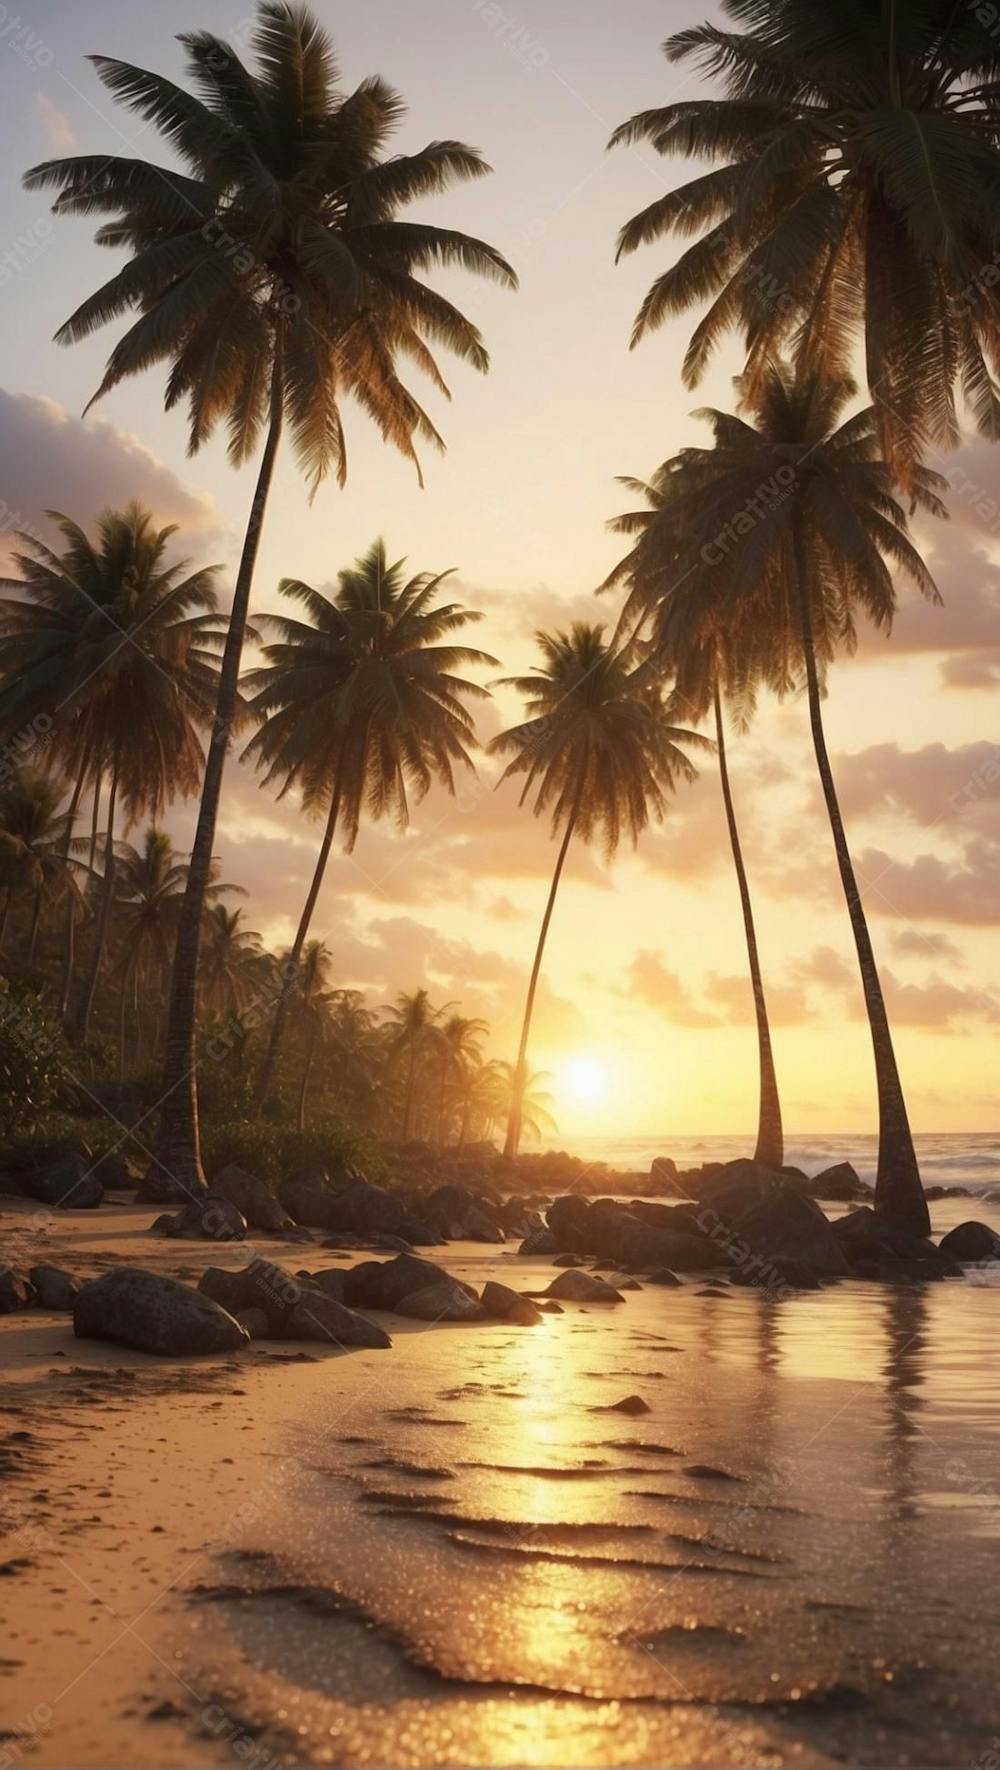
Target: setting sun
x,y
584,1079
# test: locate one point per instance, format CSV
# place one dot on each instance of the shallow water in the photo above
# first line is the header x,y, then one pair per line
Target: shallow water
x,y
792,1556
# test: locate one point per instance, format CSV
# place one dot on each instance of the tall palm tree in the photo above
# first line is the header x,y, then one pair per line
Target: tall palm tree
x,y
459,1041
361,707
412,1019
600,746
855,191
815,556
34,862
312,978
149,893
115,644
274,277
527,1095
711,661
230,958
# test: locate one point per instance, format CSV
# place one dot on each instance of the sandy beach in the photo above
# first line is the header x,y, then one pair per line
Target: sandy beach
x,y
463,1550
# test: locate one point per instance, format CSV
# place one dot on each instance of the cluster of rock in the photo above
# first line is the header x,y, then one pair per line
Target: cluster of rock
x,y
760,1227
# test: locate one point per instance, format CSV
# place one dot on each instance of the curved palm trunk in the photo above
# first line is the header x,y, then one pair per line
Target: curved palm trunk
x,y
291,966
899,1195
513,1137
104,912
95,818
770,1150
36,916
176,1168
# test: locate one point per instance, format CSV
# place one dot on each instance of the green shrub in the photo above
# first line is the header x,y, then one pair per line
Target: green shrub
x,y
31,1059
272,1151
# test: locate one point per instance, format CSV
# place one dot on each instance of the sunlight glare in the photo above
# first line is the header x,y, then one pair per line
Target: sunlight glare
x,y
584,1078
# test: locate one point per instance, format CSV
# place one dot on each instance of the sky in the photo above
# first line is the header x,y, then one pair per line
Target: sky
x,y
645,1018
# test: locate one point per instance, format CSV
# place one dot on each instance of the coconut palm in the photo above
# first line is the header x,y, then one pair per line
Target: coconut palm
x,y
712,662
855,193
312,976
34,862
230,959
529,1098
274,277
149,891
361,709
411,1019
816,556
602,750
115,644
459,1048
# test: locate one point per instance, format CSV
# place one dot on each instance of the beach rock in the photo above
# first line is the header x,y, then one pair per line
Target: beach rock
x,y
260,1285
664,1176
359,1208
875,1249
550,1307
256,1202
570,1260
67,1182
516,1218
209,1218
582,1287
786,1226
16,1290
540,1241
499,1301
567,1218
255,1322
681,1251
332,1281
736,1188
841,1184
382,1284
54,1288
444,1301
457,1214
629,1404
776,1277
662,1275
153,1314
318,1316
971,1242
115,1172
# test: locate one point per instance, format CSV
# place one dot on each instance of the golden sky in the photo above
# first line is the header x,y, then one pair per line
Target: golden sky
x,y
645,972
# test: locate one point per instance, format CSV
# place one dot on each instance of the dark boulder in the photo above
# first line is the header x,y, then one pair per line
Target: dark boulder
x,y
54,1288
876,1249
66,1182
736,1188
255,1201
210,1218
971,1242
567,1218
786,1226
582,1287
16,1290
318,1316
454,1212
115,1172
332,1281
384,1284
683,1250
841,1184
503,1304
260,1285
359,1208
540,1241
664,1176
153,1314
446,1300
255,1322
662,1275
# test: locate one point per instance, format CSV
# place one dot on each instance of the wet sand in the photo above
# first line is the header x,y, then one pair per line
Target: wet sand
x,y
462,1551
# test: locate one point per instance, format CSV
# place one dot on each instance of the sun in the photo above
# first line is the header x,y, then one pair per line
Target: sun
x,y
584,1078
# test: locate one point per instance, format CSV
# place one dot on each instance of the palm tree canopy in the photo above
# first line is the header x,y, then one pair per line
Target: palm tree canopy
x,y
149,887
116,646
534,1100
33,833
281,239
854,190
361,700
715,566
599,743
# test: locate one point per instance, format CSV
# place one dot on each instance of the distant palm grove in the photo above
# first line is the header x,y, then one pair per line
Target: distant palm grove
x,y
841,225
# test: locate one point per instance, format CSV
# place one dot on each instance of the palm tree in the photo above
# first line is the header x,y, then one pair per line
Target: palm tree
x,y
275,278
856,190
530,1099
230,957
116,645
33,853
601,747
360,707
459,1041
149,891
711,661
313,997
816,554
412,1020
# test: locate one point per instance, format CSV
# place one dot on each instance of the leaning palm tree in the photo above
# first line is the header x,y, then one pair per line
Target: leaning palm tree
x,y
712,663
274,277
815,556
312,976
459,1039
855,193
230,959
600,746
361,708
116,645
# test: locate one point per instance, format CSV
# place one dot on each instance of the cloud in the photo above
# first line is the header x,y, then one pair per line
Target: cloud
x,y
787,1004
50,460
931,785
922,943
656,986
937,1004
55,124
932,889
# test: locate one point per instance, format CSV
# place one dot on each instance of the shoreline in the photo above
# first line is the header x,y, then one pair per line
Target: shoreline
x,y
416,1557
